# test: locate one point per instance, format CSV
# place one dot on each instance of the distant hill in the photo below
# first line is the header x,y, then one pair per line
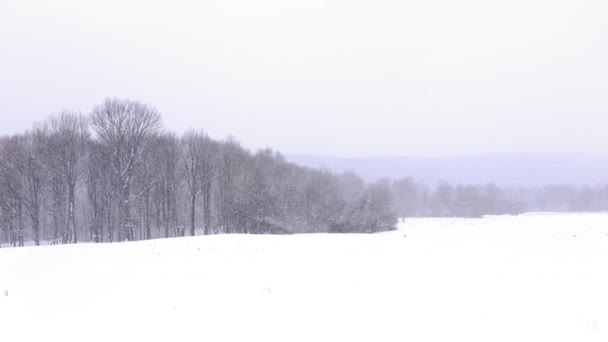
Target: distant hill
x,y
501,169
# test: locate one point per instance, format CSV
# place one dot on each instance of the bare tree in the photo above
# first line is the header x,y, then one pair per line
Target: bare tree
x,y
199,155
166,184
192,168
232,166
101,193
210,160
33,175
125,129
11,169
65,138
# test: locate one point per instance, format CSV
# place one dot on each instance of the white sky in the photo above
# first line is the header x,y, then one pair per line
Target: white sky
x,y
341,77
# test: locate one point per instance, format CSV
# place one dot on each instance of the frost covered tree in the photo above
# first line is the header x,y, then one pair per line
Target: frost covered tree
x,y
64,140
167,192
34,180
442,200
125,129
12,165
371,211
232,166
101,193
406,197
199,159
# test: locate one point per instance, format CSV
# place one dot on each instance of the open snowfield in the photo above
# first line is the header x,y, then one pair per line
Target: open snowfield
x,y
537,277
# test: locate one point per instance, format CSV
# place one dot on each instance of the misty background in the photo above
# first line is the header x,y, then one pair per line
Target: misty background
x,y
511,170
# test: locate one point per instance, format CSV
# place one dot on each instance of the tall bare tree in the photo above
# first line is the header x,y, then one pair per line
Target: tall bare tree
x,y
65,138
101,193
11,171
210,165
232,166
198,164
34,179
125,129
167,189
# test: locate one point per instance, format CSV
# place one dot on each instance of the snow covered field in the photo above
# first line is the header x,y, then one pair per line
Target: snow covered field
x,y
536,277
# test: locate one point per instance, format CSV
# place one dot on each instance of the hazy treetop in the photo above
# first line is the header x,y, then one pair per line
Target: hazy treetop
x,y
418,78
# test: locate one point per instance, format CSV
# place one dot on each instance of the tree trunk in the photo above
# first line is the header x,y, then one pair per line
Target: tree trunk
x,y
36,226
56,213
109,218
193,215
72,212
167,206
21,226
100,231
11,229
207,210
147,218
127,213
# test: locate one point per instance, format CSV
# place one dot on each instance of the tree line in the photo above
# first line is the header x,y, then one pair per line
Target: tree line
x,y
413,199
116,174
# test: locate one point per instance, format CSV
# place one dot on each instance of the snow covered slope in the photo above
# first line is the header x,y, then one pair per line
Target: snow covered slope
x,y
535,278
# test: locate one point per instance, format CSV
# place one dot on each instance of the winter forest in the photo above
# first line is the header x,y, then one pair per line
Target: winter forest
x,y
117,175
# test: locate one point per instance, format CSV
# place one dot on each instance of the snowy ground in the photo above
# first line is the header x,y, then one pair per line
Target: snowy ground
x,y
529,278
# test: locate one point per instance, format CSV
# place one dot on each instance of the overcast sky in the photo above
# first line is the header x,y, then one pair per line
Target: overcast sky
x,y
336,77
